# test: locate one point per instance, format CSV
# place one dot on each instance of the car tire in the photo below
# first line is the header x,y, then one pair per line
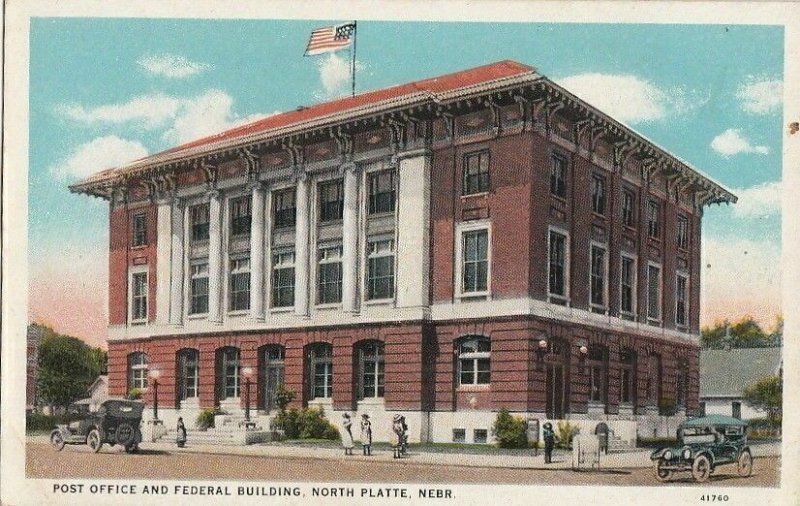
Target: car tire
x,y
133,448
94,441
57,440
745,464
125,434
662,474
701,469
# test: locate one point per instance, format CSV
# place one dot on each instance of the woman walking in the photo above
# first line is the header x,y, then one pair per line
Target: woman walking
x,y
347,434
397,438
181,437
366,434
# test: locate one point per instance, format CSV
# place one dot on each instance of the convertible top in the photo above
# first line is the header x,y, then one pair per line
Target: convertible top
x,y
710,420
123,408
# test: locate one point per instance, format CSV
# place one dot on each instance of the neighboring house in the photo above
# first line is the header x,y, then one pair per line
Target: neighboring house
x,y
35,333
441,249
98,391
724,374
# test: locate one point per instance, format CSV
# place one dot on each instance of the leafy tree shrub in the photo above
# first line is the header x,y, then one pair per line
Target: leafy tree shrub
x,y
135,393
565,432
205,419
766,394
510,431
38,422
667,407
306,423
283,397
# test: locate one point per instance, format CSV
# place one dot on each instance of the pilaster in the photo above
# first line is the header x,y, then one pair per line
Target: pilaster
x,y
350,240
214,257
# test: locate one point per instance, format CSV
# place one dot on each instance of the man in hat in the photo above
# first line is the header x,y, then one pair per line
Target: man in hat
x,y
397,439
549,442
366,434
347,434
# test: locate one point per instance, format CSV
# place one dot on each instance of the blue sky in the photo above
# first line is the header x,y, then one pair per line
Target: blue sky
x,y
106,91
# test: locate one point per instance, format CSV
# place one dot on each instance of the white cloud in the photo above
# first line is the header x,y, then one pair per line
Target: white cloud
x,y
171,66
760,95
631,99
334,74
758,201
732,142
97,154
147,111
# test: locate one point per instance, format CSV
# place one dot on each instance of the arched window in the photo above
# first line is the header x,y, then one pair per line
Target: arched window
x,y
229,372
370,366
137,370
272,358
597,363
188,373
321,368
474,361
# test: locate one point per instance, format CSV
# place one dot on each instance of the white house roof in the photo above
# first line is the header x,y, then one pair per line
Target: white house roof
x,y
726,373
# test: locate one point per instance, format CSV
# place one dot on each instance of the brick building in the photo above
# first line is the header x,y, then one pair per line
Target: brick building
x,y
443,248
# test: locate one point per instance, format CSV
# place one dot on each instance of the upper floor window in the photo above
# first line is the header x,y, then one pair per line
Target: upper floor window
x,y
683,231
557,278
558,176
380,270
627,371
239,297
475,261
198,289
321,367
283,279
331,200
628,206
284,208
381,192
598,194
240,215
653,219
654,292
627,282
200,222
597,362
476,173
598,275
137,370
139,296
474,365
681,308
371,367
139,229
330,275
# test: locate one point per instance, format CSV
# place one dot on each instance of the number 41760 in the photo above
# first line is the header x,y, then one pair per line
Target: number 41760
x,y
714,498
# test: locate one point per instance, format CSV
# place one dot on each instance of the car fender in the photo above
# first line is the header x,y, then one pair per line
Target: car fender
x,y
709,455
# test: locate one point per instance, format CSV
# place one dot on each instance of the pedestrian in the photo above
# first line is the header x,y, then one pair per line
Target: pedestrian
x,y
404,445
366,434
347,434
549,442
181,437
397,437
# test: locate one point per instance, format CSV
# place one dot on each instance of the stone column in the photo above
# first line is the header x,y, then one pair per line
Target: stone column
x,y
215,257
257,253
301,248
163,259
413,224
350,240
177,271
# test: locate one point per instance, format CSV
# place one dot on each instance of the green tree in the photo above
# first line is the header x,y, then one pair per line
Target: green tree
x,y
766,394
744,333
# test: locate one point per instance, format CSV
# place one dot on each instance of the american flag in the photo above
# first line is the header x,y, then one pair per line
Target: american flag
x,y
330,38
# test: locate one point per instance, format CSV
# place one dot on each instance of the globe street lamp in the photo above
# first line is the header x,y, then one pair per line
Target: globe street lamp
x,y
154,375
247,372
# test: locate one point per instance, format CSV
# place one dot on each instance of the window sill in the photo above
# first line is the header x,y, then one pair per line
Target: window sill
x,y
371,401
484,194
199,242
558,299
327,307
630,228
654,323
328,223
602,310
474,388
599,216
382,214
197,316
281,309
138,322
238,312
625,315
284,228
379,302
559,198
473,296
139,247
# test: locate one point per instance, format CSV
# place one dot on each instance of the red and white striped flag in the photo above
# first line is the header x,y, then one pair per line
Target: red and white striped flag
x,y
330,38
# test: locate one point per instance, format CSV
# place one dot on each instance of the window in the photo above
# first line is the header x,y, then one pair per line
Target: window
x,y
628,207
628,285
475,261
476,173
459,435
331,201
558,176
240,284
681,284
240,216
188,373
480,436
381,192
198,289
627,372
137,370
597,362
380,270
283,279
736,409
321,365
597,285
474,361
139,230
598,194
330,275
654,292
681,383
284,208
683,231
557,264
139,296
200,222
370,363
230,372
653,212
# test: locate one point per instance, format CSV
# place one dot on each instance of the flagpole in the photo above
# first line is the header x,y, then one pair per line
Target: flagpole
x,y
353,63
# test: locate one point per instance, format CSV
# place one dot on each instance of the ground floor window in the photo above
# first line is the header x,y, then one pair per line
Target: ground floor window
x,y
474,366
321,365
188,373
137,370
371,366
230,372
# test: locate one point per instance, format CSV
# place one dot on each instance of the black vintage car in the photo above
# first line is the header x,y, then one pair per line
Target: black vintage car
x,y
703,444
114,422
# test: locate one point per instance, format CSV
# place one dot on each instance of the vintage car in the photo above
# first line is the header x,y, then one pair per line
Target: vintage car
x,y
116,421
703,444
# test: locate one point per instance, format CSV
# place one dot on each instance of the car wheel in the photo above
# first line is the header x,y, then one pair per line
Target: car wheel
x,y
57,440
125,434
701,468
132,448
662,474
745,464
93,440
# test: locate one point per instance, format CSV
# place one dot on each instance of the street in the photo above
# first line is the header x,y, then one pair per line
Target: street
x,y
42,461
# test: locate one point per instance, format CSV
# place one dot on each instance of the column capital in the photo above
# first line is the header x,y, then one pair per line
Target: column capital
x,y
412,153
212,193
256,186
348,167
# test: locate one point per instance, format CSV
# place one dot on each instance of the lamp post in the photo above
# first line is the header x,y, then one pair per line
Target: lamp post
x,y
247,372
154,375
541,351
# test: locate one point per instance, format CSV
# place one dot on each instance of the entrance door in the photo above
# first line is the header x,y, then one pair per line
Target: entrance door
x,y
555,391
273,375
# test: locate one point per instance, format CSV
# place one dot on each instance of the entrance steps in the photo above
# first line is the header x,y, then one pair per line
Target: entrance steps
x,y
228,430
